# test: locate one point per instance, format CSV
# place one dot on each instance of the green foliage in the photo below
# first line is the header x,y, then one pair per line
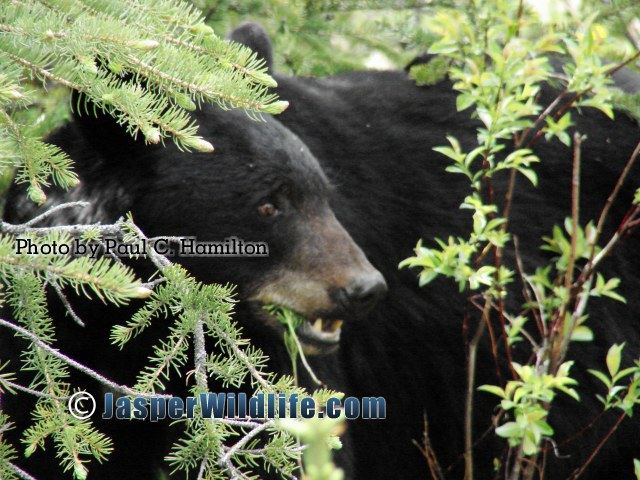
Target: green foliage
x,y
560,244
105,278
455,258
196,311
7,452
74,439
188,301
290,320
624,397
527,398
121,56
629,102
430,73
498,55
323,37
316,434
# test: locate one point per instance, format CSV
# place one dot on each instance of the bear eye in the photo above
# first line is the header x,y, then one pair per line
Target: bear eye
x,y
268,210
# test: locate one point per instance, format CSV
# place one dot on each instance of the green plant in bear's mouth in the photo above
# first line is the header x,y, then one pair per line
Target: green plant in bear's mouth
x,y
292,320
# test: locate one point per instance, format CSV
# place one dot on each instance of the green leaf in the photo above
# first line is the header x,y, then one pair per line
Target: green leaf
x,y
582,333
485,117
625,372
613,358
493,389
509,430
529,446
530,174
464,101
607,288
602,377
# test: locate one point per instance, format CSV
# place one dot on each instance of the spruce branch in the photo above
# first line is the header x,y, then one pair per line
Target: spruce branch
x,y
123,389
121,56
200,311
112,230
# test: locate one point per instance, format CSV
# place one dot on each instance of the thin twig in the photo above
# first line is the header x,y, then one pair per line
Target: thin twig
x,y
525,290
612,242
203,468
239,352
588,270
303,357
616,190
200,354
67,305
471,372
429,454
35,393
112,230
225,460
19,472
55,209
558,328
595,452
238,445
154,283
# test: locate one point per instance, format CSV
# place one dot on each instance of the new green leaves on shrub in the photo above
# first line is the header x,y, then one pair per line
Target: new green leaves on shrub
x,y
560,243
526,399
623,396
498,58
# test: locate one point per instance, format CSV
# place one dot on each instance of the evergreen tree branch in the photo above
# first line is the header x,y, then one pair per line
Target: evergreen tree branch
x,y
120,55
34,339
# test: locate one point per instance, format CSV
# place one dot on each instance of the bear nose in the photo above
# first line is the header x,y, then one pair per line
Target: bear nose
x,y
365,291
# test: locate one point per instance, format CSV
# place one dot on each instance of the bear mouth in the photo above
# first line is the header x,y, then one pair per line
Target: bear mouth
x,y
320,333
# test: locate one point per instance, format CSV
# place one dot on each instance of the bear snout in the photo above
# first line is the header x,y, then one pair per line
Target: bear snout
x,y
363,292
327,280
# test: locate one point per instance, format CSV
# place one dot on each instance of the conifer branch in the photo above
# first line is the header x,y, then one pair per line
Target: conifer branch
x,y
120,55
123,389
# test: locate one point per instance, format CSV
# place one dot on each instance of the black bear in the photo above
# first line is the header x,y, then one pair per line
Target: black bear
x,y
374,134
341,186
262,184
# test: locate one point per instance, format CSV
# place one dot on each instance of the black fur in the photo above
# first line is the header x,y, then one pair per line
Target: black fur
x,y
374,134
208,196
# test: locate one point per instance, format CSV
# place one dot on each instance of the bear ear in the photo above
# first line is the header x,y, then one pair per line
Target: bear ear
x,y
252,35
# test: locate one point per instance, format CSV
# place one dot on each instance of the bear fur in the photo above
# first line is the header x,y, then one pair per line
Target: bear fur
x,y
313,266
374,134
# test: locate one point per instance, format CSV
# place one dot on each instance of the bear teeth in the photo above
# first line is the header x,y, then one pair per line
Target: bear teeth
x,y
317,325
322,325
331,325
